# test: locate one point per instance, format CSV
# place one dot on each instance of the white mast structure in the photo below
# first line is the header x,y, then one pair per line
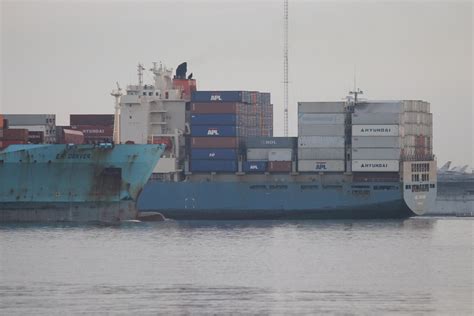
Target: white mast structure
x,y
285,67
117,94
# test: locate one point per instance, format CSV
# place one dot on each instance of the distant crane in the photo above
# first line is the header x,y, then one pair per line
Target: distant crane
x,y
285,66
117,94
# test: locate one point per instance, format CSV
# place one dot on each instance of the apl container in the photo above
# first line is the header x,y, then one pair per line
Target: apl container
x,y
375,130
376,141
321,165
321,141
218,96
214,142
321,153
321,130
375,165
254,166
216,131
213,119
279,166
213,166
214,154
376,153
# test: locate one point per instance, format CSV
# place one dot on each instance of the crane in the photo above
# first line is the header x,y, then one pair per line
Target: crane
x,y
117,93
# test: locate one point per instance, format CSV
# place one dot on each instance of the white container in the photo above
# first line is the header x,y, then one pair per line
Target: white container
x,y
375,130
321,153
280,154
376,118
321,130
320,165
320,119
321,107
375,165
376,141
257,154
321,141
376,153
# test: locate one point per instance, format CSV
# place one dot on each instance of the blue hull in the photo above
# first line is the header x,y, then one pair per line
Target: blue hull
x,y
270,200
73,183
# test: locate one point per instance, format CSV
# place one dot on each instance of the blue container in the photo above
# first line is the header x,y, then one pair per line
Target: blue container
x,y
217,96
213,165
213,119
214,154
224,131
254,166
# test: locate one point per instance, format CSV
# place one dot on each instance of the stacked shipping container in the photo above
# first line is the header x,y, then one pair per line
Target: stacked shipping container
x,y
272,154
321,142
384,133
219,120
94,127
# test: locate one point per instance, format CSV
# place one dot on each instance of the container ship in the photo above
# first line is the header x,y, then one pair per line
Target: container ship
x,y
351,159
72,183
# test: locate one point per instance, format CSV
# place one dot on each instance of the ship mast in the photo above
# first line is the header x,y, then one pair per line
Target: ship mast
x,y
117,94
285,67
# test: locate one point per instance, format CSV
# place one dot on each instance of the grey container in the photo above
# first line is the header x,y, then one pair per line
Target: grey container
x,y
257,154
321,153
321,130
280,154
321,141
376,141
320,118
376,153
321,107
376,118
379,107
30,119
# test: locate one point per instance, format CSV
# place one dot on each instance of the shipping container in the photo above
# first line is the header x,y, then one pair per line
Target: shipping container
x,y
321,130
321,141
1,121
379,107
5,124
215,108
320,119
321,153
216,131
214,154
280,154
375,130
257,154
375,165
73,137
6,143
270,142
214,142
219,96
35,137
92,119
321,107
321,165
213,166
376,118
376,141
101,131
213,119
30,119
376,153
279,166
254,166
19,134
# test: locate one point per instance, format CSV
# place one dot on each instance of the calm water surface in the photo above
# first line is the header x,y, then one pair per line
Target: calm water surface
x,y
415,266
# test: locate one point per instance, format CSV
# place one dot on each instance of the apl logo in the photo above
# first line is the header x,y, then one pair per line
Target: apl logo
x,y
212,155
216,98
213,132
253,167
320,166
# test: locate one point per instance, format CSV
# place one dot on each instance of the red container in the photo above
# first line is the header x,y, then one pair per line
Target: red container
x,y
214,108
35,137
19,134
1,121
96,131
279,166
92,119
73,137
214,142
6,143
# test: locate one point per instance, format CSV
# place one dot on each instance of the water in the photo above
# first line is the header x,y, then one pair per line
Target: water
x,y
415,266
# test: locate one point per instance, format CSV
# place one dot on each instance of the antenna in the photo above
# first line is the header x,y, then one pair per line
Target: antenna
x,y
117,94
285,66
356,90
140,74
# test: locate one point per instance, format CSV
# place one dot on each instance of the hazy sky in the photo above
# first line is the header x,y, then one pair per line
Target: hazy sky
x,y
64,57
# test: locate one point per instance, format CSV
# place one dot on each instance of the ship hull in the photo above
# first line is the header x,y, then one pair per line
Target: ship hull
x,y
228,201
84,183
